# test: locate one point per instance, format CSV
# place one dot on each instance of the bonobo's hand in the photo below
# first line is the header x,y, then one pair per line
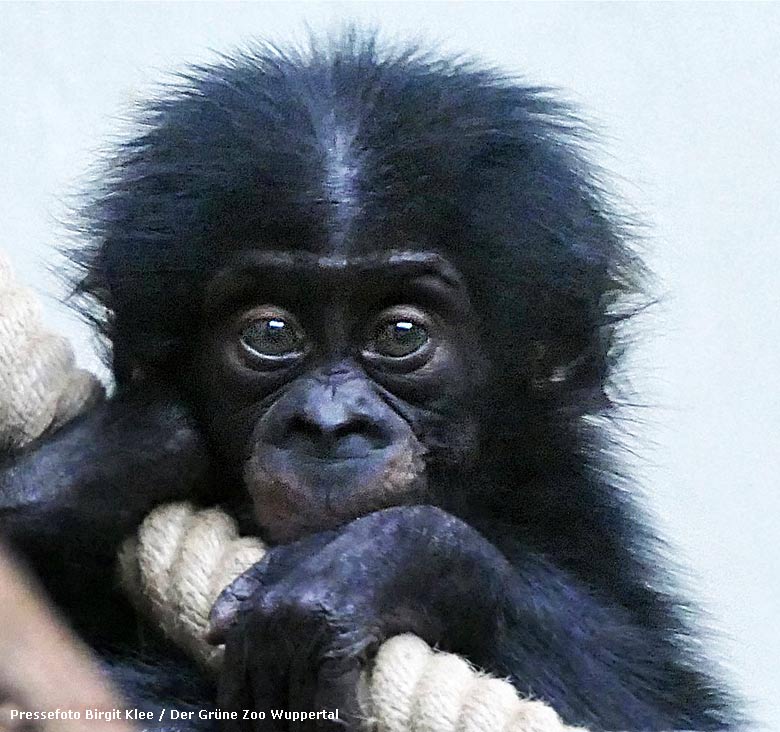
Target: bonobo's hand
x,y
93,481
300,625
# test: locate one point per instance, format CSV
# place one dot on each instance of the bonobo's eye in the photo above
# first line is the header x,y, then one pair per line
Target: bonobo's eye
x,y
398,338
401,333
272,335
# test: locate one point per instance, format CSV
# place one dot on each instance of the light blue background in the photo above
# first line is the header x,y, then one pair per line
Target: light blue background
x,y
688,99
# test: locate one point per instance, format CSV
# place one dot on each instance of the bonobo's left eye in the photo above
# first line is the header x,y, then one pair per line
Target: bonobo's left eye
x,y
400,333
271,334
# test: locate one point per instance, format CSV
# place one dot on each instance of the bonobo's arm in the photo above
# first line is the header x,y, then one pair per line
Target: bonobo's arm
x,y
68,500
418,569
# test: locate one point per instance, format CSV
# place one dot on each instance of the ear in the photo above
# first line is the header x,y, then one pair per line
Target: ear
x,y
133,363
557,367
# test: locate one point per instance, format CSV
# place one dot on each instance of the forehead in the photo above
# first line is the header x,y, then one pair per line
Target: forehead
x,y
340,161
343,206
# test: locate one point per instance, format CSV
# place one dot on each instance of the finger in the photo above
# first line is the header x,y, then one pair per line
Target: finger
x,y
229,605
233,688
337,693
267,678
274,566
306,650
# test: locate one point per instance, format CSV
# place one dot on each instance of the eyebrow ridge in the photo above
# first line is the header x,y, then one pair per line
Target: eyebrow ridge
x,y
411,262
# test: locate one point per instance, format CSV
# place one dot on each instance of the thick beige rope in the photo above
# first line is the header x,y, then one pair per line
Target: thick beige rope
x,y
182,558
40,386
176,566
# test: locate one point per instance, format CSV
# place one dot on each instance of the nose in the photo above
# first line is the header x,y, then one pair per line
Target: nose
x,y
336,422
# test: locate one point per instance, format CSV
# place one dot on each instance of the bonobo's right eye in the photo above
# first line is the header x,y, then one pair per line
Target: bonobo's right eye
x,y
271,336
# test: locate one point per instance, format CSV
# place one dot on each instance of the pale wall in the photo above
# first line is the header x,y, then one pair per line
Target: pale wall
x,y
689,100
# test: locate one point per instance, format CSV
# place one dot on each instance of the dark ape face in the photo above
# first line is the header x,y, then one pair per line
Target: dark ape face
x,y
358,264
335,381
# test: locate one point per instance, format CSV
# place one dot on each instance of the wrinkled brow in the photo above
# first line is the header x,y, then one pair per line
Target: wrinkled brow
x,y
253,269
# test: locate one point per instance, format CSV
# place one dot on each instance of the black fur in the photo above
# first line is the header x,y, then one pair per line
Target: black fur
x,y
351,149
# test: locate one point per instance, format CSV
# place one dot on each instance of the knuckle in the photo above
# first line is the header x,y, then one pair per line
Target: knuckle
x,y
293,603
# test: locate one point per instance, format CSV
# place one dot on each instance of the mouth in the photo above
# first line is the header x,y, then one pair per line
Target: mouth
x,y
296,493
349,447
321,476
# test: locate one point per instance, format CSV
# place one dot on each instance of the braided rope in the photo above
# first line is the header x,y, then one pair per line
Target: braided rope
x,y
183,557
40,386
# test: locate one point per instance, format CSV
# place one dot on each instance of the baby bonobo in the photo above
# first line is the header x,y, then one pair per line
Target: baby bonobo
x,y
368,301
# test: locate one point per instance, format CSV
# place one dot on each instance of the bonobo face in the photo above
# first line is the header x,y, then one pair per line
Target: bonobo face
x,y
339,383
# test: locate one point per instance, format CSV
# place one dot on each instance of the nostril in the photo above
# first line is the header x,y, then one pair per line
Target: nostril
x,y
300,435
354,437
369,431
305,428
